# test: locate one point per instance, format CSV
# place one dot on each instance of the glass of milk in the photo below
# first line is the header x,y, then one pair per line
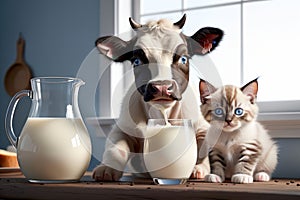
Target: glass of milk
x,y
170,150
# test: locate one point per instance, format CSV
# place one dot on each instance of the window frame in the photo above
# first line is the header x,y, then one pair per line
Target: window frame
x,y
111,18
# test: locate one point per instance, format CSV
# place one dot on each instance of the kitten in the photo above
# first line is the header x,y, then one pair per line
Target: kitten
x,y
241,148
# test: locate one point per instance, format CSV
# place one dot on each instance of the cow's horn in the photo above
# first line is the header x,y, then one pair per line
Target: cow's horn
x,y
134,24
181,22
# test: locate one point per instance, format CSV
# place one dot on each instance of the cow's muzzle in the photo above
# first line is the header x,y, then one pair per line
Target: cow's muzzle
x,y
161,91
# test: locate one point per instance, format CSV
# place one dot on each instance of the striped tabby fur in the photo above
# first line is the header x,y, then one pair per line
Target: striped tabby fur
x,y
240,148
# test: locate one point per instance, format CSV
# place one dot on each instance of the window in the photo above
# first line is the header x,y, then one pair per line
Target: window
x,y
258,42
261,40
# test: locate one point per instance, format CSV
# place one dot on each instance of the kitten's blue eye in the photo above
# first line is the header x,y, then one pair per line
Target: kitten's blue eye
x,y
137,62
219,112
238,111
183,60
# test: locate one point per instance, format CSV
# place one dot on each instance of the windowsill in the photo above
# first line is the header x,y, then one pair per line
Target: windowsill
x,y
279,125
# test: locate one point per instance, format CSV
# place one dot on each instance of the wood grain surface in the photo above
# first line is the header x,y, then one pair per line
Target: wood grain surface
x,y
15,186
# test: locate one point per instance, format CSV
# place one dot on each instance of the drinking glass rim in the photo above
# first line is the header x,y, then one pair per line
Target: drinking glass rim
x,y
162,121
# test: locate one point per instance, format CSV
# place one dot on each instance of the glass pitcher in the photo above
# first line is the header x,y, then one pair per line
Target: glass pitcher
x,y
54,144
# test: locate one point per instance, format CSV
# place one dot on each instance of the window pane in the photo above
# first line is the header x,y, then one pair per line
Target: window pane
x,y
200,3
271,41
226,56
174,17
153,6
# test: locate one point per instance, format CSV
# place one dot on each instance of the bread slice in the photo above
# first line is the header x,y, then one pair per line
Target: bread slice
x,y
8,159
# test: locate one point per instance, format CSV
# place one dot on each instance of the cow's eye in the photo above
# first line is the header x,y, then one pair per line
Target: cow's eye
x,y
137,62
183,60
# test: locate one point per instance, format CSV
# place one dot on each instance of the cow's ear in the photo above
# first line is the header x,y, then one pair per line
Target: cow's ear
x,y
112,47
205,40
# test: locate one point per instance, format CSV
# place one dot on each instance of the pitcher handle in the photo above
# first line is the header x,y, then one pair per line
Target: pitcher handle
x,y
10,113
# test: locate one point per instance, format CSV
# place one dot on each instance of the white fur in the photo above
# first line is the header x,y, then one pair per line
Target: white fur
x,y
261,177
241,178
213,178
161,49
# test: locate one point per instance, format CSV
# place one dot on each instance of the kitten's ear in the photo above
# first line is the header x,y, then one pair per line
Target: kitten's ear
x,y
206,89
250,89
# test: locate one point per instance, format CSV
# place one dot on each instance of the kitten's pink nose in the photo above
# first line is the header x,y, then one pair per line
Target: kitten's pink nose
x,y
228,121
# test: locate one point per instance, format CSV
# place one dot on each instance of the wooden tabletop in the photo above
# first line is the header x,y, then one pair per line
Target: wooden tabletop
x,y
13,185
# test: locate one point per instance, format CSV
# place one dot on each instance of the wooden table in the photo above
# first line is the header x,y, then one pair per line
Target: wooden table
x,y
13,185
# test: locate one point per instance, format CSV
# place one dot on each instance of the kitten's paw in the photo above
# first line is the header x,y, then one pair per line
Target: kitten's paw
x,y
104,173
241,178
262,177
200,171
213,178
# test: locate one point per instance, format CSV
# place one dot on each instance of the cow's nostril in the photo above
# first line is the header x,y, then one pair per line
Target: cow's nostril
x,y
162,88
153,88
171,87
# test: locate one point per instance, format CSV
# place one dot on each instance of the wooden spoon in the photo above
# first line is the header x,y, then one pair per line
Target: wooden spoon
x,y
18,75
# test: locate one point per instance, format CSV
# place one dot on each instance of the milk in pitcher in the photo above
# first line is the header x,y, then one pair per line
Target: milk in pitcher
x,y
54,149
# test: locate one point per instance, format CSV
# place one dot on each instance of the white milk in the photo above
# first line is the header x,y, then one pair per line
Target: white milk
x,y
170,151
54,149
